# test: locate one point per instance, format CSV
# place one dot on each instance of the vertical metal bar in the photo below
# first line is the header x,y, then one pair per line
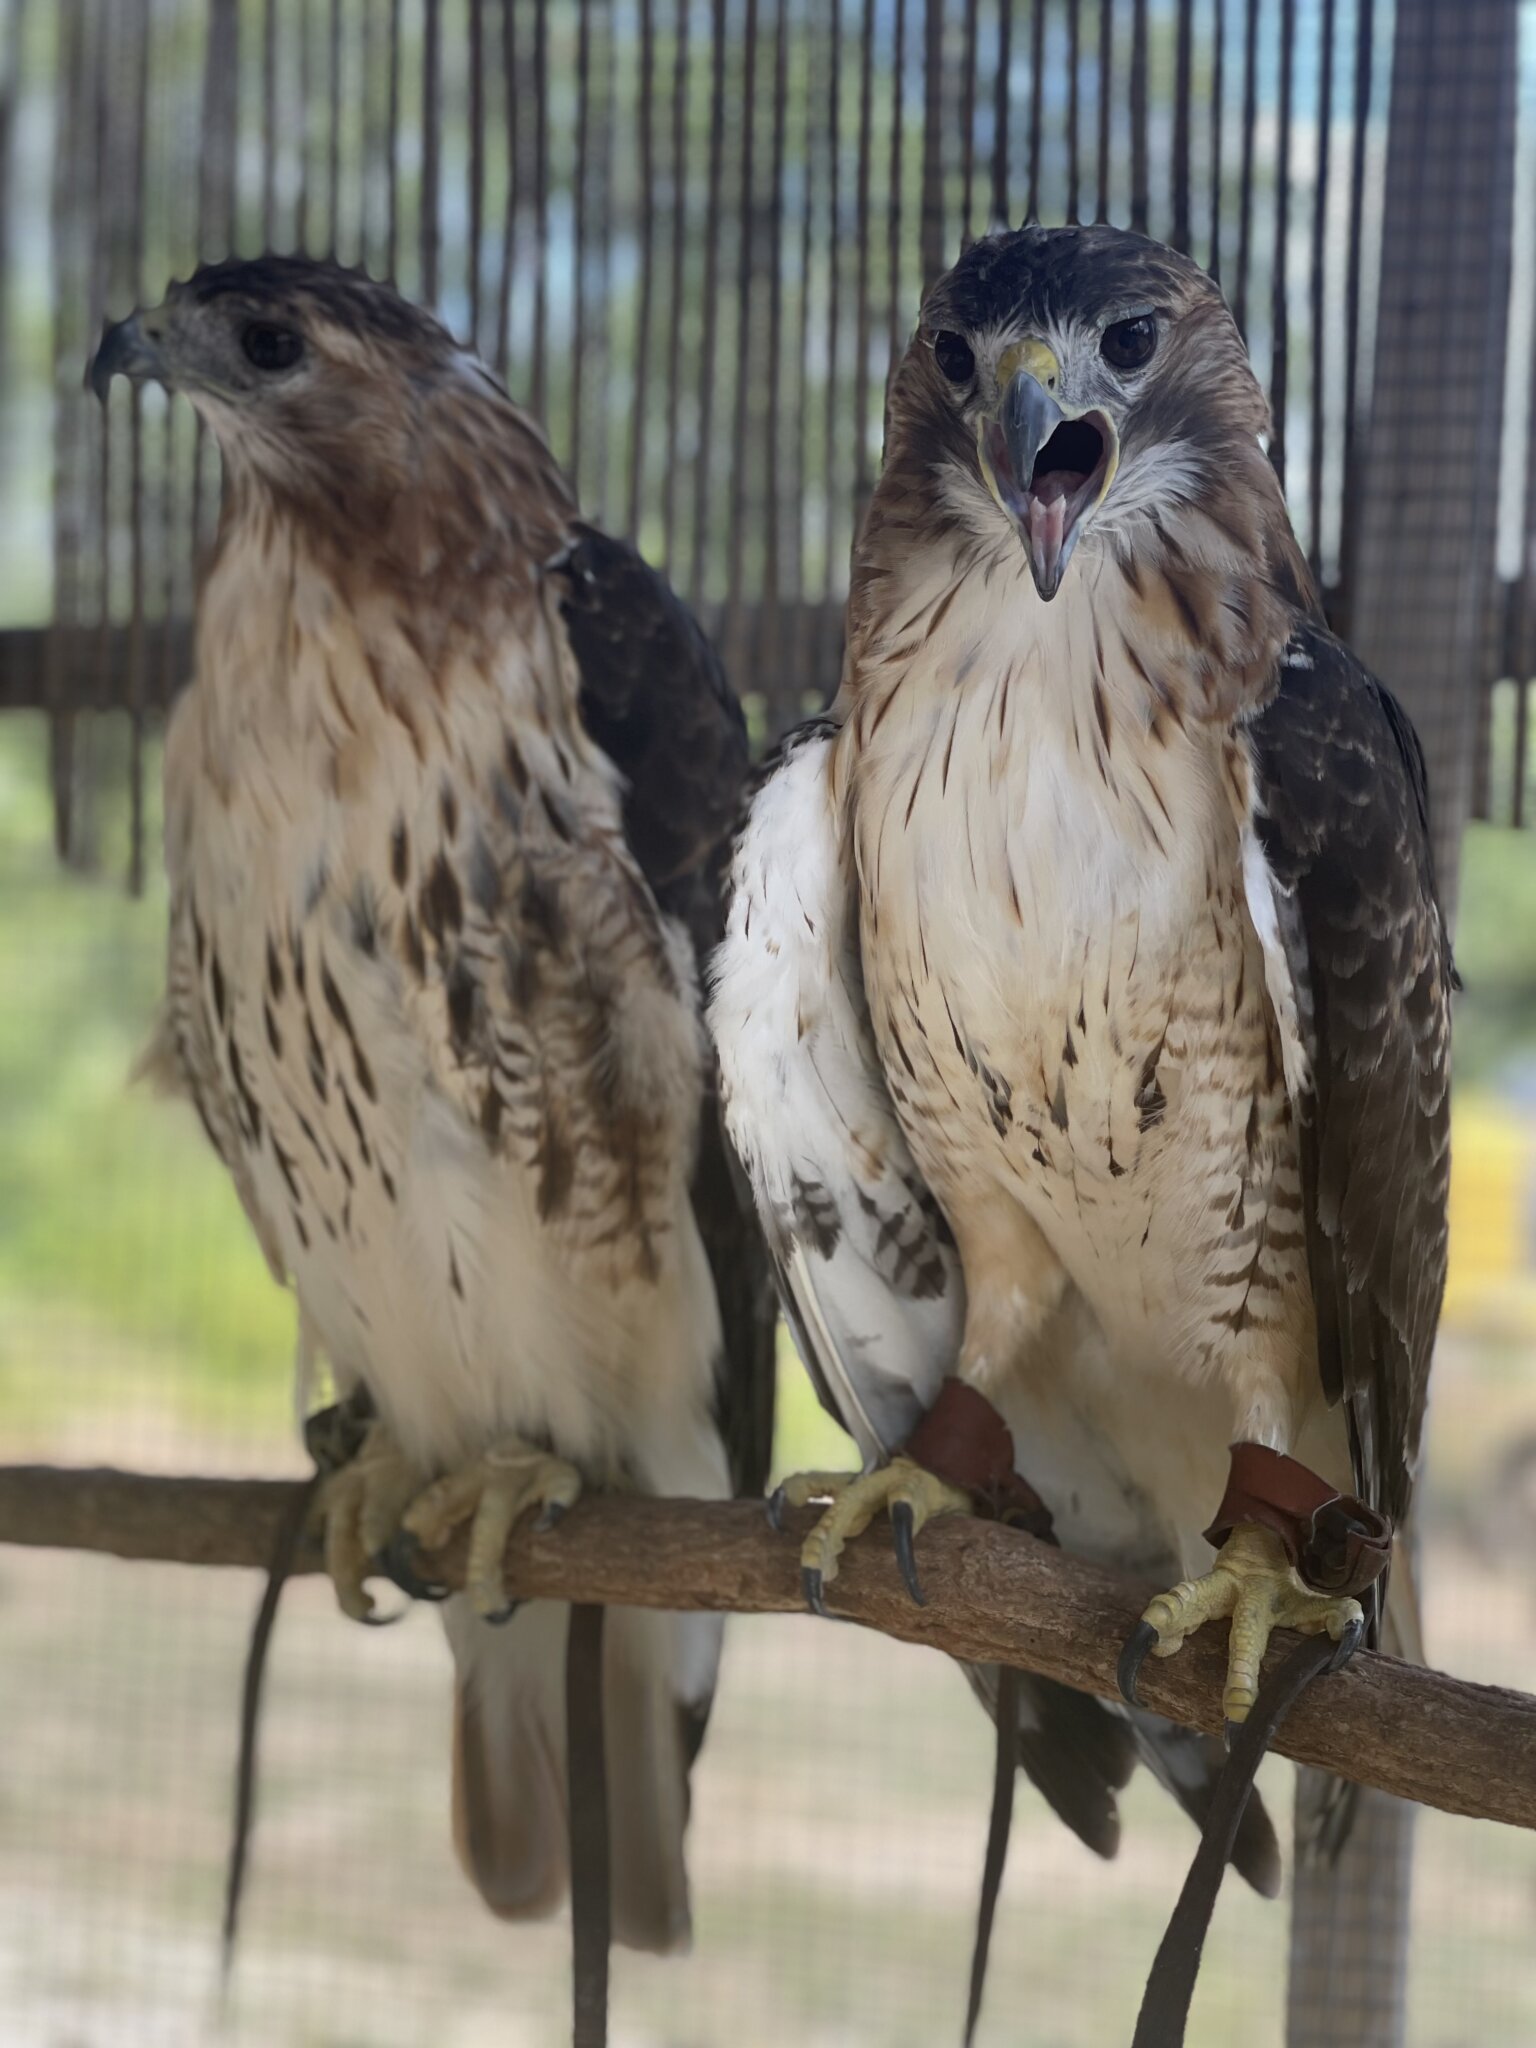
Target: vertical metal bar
x,y
541,207
1106,83
392,143
1036,106
104,203
71,119
1281,314
932,229
1139,197
799,653
1183,64
138,40
701,481
1218,99
511,200
1245,189
766,651
673,469
605,130
831,439
745,279
1318,293
269,121
1074,68
306,123
476,159
861,344
579,176
431,146
366,178
1000,214
333,152
968,126
647,261
894,310
1349,509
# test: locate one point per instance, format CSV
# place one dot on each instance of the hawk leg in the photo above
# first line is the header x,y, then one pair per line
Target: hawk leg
x,y
1253,1582
908,1493
958,1461
360,1508
1294,1554
490,1493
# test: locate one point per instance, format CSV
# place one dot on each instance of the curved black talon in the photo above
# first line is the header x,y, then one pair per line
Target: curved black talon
x,y
1138,1646
903,1535
774,1507
502,1615
397,1560
1349,1642
810,1585
555,1512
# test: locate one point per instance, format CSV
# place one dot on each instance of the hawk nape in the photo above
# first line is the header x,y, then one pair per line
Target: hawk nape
x,y
1084,1005
442,804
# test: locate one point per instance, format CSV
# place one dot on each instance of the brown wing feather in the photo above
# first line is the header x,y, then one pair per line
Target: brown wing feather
x,y
1344,821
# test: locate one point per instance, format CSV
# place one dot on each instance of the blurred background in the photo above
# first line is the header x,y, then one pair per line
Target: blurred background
x,y
690,235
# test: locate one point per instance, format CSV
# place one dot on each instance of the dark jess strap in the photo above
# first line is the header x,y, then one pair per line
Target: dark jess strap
x,y
1165,2003
586,1769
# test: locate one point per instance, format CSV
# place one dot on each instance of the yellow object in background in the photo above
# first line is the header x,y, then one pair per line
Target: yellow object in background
x,y
1491,1288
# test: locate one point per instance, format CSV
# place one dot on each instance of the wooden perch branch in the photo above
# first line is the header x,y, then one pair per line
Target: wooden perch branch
x,y
993,1597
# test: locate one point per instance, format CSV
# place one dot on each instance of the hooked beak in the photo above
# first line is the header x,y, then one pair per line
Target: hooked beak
x,y
1047,468
128,348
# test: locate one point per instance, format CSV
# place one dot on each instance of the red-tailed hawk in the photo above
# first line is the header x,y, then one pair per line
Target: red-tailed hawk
x,y
440,806
1084,1005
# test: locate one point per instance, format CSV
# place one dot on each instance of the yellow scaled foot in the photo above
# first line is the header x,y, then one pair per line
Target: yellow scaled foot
x,y
490,1494
360,1508
908,1493
1254,1582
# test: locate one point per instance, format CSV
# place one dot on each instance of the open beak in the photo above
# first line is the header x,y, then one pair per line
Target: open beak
x,y
1047,468
128,348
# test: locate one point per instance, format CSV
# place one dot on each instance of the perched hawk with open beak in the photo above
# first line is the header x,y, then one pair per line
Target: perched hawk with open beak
x,y
441,807
1084,1005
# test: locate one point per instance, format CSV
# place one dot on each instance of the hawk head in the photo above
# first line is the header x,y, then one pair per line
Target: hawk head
x,y
1086,386
353,409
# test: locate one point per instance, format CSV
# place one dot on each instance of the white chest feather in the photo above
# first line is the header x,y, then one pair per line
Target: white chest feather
x,y
1066,985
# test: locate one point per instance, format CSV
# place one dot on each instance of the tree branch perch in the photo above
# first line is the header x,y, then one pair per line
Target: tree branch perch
x,y
993,1597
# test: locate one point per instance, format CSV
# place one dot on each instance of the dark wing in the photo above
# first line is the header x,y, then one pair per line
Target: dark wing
x,y
1342,815
655,699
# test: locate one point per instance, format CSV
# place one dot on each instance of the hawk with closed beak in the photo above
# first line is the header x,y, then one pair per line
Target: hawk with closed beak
x,y
1084,1005
442,808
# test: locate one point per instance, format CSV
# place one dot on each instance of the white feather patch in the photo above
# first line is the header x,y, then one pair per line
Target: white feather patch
x,y
1261,889
808,1112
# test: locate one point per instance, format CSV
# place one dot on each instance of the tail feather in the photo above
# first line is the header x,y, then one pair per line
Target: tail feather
x,y
1188,1764
509,1797
1074,1750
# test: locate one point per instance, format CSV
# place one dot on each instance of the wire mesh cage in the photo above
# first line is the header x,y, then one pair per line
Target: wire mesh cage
x,y
692,235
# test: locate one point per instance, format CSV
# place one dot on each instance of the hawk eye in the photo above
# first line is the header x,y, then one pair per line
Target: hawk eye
x,y
952,353
1128,344
269,347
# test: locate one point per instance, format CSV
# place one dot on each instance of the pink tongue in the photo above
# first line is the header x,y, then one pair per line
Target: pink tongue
x,y
1055,484
1047,524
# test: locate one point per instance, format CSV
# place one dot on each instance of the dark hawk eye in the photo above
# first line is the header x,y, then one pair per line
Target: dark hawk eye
x,y
1129,343
269,347
952,353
